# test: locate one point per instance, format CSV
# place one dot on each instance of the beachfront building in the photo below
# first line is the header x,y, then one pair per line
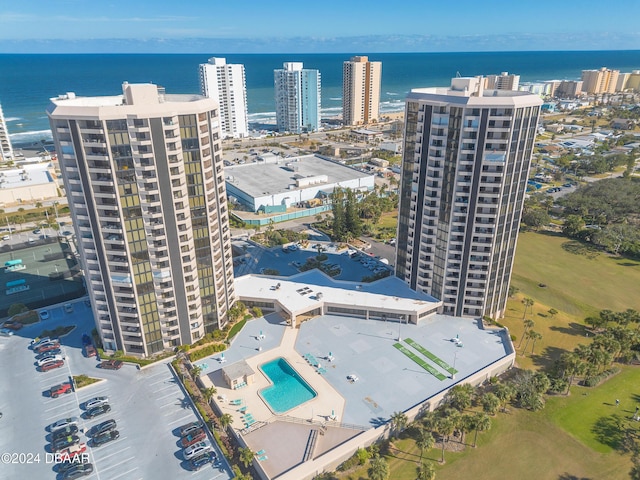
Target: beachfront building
x,y
504,81
466,161
297,92
569,89
226,83
600,81
31,182
6,151
361,91
143,175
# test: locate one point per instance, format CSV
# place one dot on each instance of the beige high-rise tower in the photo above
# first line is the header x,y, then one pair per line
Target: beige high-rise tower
x,y
600,81
361,91
146,189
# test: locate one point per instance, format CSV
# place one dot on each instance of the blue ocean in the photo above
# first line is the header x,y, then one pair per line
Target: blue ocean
x,y
28,81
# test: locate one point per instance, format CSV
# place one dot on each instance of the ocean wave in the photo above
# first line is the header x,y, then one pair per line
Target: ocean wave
x,y
12,119
392,94
335,98
32,136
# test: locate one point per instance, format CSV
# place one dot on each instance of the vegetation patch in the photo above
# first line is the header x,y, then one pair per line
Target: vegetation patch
x,y
84,380
236,329
58,331
26,317
206,351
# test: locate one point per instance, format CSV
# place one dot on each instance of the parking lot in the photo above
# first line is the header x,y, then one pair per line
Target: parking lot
x,y
148,406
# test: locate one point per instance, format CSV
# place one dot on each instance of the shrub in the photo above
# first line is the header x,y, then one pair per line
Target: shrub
x,y
257,312
207,351
512,337
322,257
17,308
362,455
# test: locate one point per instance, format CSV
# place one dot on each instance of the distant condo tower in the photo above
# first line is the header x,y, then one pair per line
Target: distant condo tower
x,y
600,81
464,176
504,81
297,92
6,151
143,175
226,83
361,91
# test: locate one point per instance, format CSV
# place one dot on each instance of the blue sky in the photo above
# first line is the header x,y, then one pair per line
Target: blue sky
x,y
246,26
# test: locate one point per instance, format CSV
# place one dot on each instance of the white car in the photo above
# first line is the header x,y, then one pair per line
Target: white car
x,y
352,378
95,402
6,332
65,422
196,449
50,358
44,315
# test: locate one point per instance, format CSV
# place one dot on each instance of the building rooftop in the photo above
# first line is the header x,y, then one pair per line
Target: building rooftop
x,y
305,290
238,369
275,175
27,175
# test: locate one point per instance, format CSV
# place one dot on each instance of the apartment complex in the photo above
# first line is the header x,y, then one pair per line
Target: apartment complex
x,y
143,175
569,89
226,83
361,91
504,81
466,161
297,93
600,81
6,151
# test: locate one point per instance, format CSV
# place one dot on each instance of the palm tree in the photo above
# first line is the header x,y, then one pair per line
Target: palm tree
x,y
226,420
444,427
528,302
536,336
378,469
246,456
505,393
482,424
196,371
424,440
461,396
209,393
426,471
553,312
528,323
398,422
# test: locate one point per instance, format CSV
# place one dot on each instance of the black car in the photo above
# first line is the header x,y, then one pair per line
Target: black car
x,y
201,460
64,432
50,353
105,437
99,410
64,442
103,427
68,465
78,471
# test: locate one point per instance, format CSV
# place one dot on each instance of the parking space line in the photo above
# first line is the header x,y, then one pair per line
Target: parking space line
x,y
170,394
181,419
112,454
159,381
117,464
58,406
125,473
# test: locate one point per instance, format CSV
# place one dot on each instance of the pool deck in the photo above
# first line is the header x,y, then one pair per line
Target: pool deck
x,y
388,381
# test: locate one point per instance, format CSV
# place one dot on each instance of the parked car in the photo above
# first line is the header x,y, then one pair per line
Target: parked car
x,y
103,427
6,332
71,463
51,365
49,353
78,471
196,449
68,307
73,451
45,347
201,460
111,364
105,437
64,432
55,392
62,423
12,325
99,410
95,402
90,351
36,342
192,438
64,442
48,358
44,315
189,428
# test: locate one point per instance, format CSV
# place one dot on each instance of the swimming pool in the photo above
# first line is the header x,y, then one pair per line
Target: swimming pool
x,y
288,390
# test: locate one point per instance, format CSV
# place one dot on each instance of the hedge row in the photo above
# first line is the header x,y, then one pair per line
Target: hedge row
x,y
207,351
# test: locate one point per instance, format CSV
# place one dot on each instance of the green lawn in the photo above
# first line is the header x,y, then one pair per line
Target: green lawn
x,y
579,280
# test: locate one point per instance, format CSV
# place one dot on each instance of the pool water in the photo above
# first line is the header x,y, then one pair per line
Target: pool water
x,y
288,390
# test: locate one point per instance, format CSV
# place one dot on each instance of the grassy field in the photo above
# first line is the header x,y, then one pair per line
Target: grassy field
x,y
572,437
578,280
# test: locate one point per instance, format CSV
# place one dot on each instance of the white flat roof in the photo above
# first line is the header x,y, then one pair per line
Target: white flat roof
x,y
26,176
300,292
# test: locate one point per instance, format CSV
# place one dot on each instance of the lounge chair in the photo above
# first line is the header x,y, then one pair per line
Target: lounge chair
x,y
262,458
237,401
260,452
242,409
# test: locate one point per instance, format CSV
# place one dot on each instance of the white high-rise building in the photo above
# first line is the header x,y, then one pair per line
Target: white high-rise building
x,y
466,162
146,189
504,81
297,93
361,91
226,83
6,150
